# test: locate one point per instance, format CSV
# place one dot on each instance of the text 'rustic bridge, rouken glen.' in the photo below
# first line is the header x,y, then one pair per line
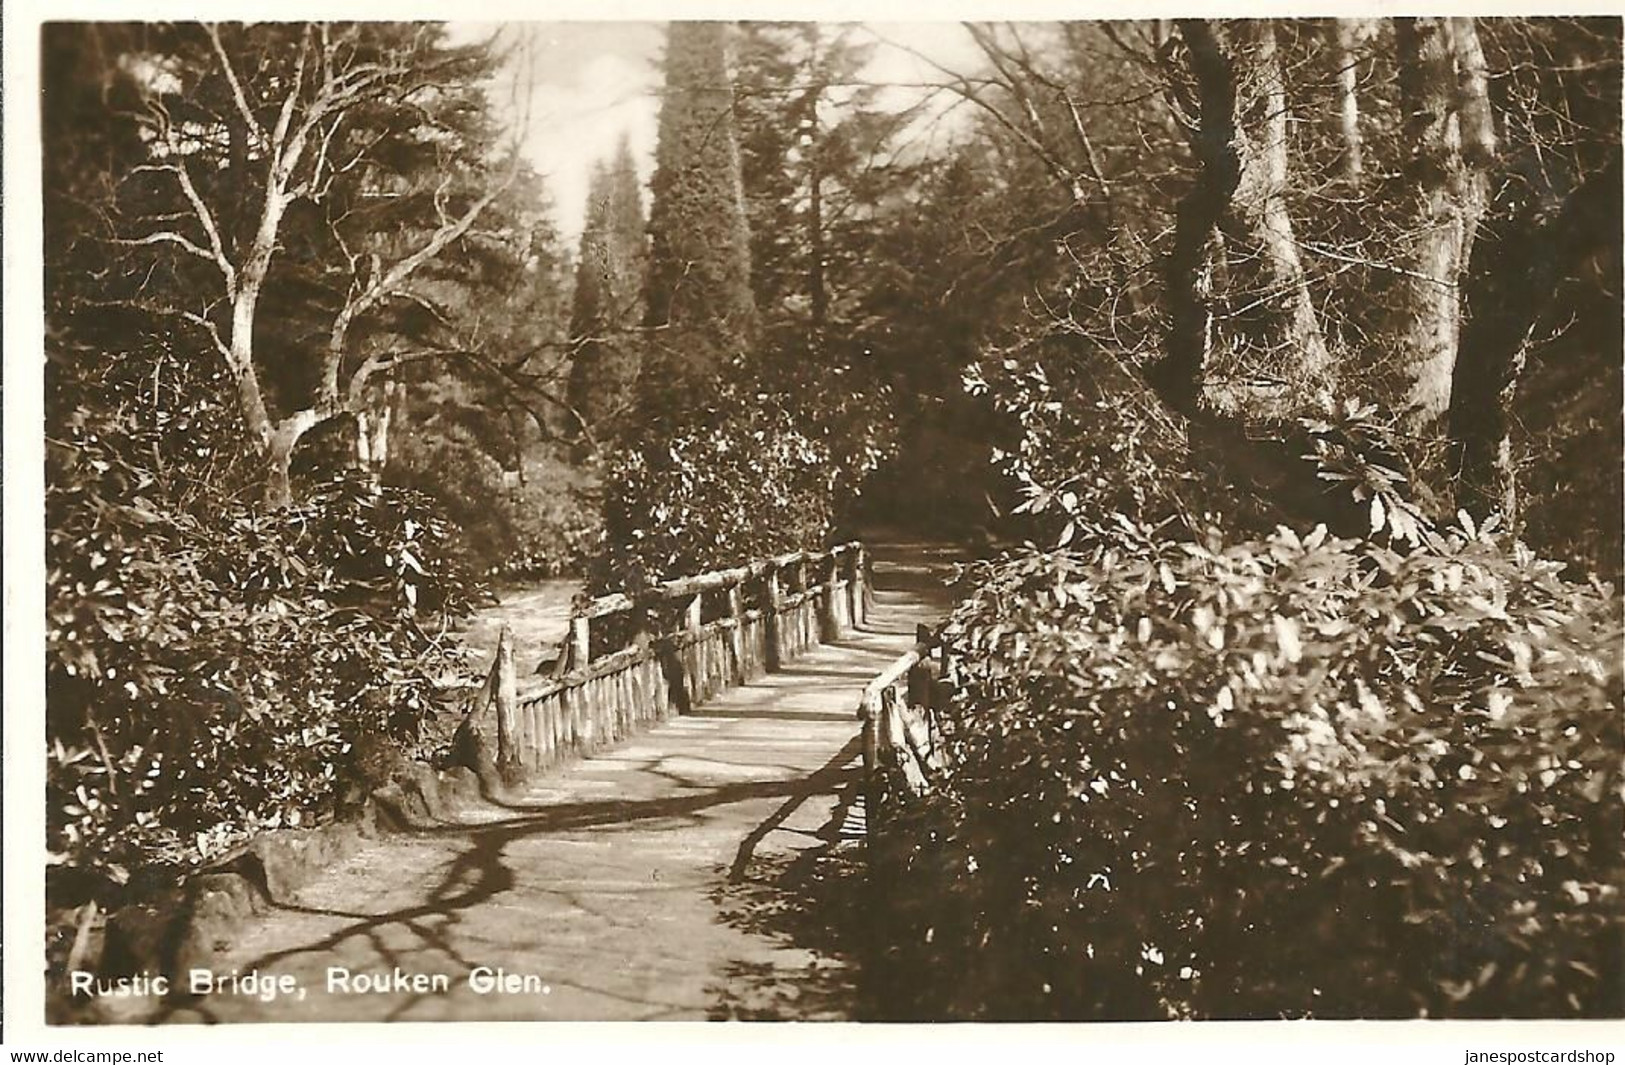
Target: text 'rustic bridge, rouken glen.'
x,y
662,783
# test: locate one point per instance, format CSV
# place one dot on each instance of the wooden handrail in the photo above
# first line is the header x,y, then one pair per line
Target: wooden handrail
x,y
577,643
605,605
901,744
598,694
892,674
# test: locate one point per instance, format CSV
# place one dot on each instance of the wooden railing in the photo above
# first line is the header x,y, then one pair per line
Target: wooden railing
x,y
902,739
630,661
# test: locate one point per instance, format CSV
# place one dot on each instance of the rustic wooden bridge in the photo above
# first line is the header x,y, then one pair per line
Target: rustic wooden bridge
x,y
694,745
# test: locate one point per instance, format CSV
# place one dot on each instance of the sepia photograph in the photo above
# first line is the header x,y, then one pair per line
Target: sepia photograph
x,y
1093,520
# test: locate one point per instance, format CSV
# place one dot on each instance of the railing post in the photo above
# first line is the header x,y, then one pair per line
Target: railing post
x,y
694,612
640,637
802,636
829,618
856,588
736,636
775,653
868,711
580,641
866,597
507,705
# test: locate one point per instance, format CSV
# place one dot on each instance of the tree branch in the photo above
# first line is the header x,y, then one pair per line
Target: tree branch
x,y
238,95
204,216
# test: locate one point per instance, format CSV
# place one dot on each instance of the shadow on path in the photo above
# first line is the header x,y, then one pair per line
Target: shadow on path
x,y
810,900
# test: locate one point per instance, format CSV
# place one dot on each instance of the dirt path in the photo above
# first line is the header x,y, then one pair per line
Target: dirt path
x,y
641,884
540,616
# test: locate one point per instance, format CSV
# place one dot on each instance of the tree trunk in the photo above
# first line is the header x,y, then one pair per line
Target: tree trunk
x,y
1180,377
372,434
819,297
278,476
1261,200
1447,125
1182,372
817,294
240,360
1516,269
277,455
1475,119
1346,37
1241,147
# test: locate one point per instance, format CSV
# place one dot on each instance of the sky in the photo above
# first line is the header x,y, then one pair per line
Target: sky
x,y
594,82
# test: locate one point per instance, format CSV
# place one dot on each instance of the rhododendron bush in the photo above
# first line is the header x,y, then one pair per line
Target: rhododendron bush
x,y
1294,775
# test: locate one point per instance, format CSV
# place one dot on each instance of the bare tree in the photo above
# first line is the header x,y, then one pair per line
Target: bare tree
x,y
293,124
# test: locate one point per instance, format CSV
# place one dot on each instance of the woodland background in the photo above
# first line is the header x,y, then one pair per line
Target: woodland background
x,y
1289,349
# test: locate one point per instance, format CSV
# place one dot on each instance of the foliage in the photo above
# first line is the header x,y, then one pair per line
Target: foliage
x,y
1200,768
755,441
818,158
607,302
217,669
747,485
942,284
537,521
324,176
1086,439
1290,776
697,295
1063,205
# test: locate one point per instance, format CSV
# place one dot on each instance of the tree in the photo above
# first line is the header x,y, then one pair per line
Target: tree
x,y
1516,273
1234,109
819,160
699,308
1286,276
1444,90
268,146
607,306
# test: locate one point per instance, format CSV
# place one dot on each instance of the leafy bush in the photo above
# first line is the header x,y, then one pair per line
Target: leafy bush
x,y
560,541
219,669
743,485
1296,775
1083,431
543,526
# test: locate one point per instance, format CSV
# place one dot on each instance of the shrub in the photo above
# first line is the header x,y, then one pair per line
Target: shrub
x,y
543,526
740,486
215,671
1296,775
1082,430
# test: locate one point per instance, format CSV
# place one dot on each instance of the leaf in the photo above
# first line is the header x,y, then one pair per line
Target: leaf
x,y
1376,514
1286,635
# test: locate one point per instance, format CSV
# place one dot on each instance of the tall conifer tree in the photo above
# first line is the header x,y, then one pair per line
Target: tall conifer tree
x,y
608,303
700,309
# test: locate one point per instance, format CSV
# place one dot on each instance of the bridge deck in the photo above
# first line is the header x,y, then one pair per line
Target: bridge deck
x,y
622,883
